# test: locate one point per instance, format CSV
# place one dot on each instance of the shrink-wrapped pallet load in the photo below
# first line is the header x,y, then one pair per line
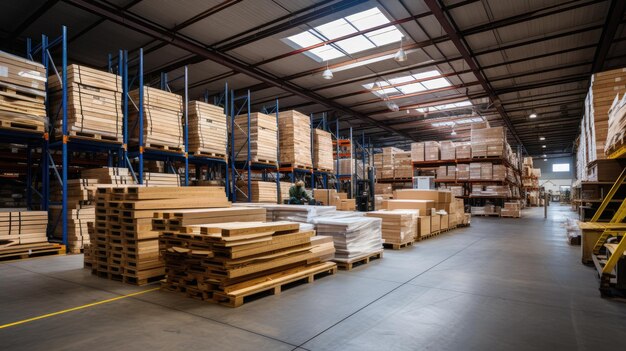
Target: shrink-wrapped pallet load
x,y
263,134
207,130
294,129
94,103
162,124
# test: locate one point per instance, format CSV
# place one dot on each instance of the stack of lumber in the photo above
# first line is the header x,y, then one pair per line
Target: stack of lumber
x,y
162,124
322,150
617,125
94,103
354,236
22,93
261,191
81,210
161,179
263,138
226,262
125,246
20,226
487,141
207,130
398,227
177,220
294,129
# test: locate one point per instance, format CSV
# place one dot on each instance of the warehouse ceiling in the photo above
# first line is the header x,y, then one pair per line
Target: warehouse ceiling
x,y
466,60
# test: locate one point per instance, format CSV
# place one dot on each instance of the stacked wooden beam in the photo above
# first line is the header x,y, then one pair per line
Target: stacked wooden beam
x,y
94,103
322,150
263,138
124,245
162,125
161,179
22,94
20,226
399,227
294,130
226,262
207,130
265,192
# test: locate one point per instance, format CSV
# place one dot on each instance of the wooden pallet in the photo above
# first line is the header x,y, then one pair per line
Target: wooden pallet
x,y
24,251
209,155
163,147
486,215
21,94
264,162
138,281
430,235
349,264
95,136
323,170
296,166
275,286
21,126
394,246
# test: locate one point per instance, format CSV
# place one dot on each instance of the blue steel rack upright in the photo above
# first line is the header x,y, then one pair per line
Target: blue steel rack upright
x,y
239,104
67,143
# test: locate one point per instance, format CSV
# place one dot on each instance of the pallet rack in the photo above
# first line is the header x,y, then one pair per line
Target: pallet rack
x,y
356,149
319,178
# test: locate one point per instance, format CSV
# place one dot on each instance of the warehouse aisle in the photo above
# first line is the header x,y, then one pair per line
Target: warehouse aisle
x,y
501,284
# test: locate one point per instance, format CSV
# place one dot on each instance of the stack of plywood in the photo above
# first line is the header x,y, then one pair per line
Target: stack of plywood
x,y
261,192
399,227
226,262
161,179
322,150
207,130
263,142
177,220
294,129
487,142
353,236
162,119
22,93
125,246
94,103
402,165
20,226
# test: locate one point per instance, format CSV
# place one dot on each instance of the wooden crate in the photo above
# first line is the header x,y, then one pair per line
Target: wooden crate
x,y
162,124
263,138
22,94
322,150
294,129
207,130
94,103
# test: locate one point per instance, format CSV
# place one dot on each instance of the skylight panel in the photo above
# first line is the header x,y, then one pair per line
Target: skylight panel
x,y
326,52
426,74
411,88
436,83
385,36
399,80
367,19
442,124
336,29
305,39
451,106
355,44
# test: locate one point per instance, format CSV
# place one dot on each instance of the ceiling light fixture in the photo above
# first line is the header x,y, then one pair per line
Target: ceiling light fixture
x,y
453,132
545,159
543,146
393,106
328,74
533,115
542,138
400,56
544,155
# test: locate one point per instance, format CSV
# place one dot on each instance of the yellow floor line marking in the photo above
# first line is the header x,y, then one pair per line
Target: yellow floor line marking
x,y
75,308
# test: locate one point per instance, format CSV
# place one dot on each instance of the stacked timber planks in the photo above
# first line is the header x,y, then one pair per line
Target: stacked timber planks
x,y
399,227
20,226
263,138
124,245
207,130
177,220
227,262
264,192
294,129
161,179
94,103
22,94
322,151
162,124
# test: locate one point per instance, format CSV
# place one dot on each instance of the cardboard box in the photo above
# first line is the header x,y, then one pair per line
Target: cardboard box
x,y
416,194
423,226
448,151
328,197
422,205
435,223
417,152
444,221
431,151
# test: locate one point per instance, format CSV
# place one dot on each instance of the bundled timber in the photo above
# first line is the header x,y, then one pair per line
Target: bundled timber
x,y
20,226
162,119
94,103
161,179
294,129
399,227
265,192
22,94
207,130
125,247
322,150
263,138
226,262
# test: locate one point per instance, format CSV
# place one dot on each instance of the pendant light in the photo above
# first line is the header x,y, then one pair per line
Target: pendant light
x,y
400,55
328,74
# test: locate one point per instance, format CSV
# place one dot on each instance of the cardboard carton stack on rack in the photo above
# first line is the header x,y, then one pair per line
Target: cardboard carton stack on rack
x,y
402,165
511,209
294,130
263,138
94,103
22,94
162,119
207,130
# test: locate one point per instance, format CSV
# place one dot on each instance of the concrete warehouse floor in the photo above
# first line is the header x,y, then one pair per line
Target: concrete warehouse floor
x,y
501,284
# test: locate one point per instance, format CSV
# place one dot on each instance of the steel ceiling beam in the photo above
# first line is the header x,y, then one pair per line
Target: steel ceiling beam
x,y
40,11
158,32
615,15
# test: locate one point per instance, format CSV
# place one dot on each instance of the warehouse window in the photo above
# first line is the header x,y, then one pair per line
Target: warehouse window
x,y
344,26
402,85
560,167
452,106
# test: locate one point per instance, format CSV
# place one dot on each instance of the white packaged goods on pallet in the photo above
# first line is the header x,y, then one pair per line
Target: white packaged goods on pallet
x,y
353,236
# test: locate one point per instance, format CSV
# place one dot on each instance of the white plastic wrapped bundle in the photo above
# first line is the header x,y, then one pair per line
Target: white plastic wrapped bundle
x,y
353,236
